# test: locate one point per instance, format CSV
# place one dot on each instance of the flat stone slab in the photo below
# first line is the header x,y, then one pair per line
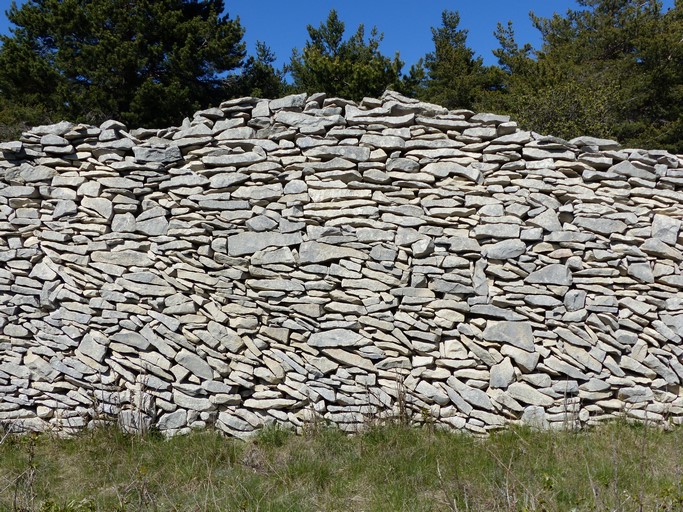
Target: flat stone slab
x,y
518,334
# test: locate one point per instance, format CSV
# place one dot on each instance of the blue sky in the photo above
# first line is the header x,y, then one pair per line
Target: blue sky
x,y
405,23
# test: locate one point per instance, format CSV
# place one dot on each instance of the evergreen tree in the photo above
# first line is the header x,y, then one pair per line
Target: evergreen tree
x,y
611,68
145,62
557,96
456,78
351,68
259,77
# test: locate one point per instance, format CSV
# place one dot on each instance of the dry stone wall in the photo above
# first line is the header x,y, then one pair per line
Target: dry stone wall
x,y
311,259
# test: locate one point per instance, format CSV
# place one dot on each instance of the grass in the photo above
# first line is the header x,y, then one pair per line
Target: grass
x,y
393,468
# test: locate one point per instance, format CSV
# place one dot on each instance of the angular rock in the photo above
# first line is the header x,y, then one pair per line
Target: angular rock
x,y
518,334
556,274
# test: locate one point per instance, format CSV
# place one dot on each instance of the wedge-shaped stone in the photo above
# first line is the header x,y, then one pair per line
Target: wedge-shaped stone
x,y
192,402
284,285
504,250
547,220
656,247
164,155
194,364
234,159
524,393
387,142
350,153
306,122
315,252
124,258
349,359
155,287
666,229
100,205
248,243
518,334
476,397
431,394
502,374
227,179
600,225
551,274
131,338
335,338
444,169
91,348
258,193
632,170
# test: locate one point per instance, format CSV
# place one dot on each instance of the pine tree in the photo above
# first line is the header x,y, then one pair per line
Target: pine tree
x,y
351,68
259,77
145,62
612,68
456,78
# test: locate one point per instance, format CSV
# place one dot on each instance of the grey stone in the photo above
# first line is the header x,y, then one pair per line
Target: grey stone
x,y
535,417
91,348
288,102
350,359
350,153
518,334
227,179
476,397
556,274
599,144
314,252
172,420
124,258
234,159
195,364
156,226
241,133
259,193
658,248
496,231
504,250
502,374
601,225
665,228
308,123
131,338
192,402
387,142
249,243
524,393
431,393
334,338
630,169
527,361
445,169
163,155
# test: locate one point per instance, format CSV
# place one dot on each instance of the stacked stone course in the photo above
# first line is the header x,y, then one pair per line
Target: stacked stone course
x,y
311,259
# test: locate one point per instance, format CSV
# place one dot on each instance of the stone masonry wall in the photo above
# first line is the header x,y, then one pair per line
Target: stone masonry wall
x,y
310,259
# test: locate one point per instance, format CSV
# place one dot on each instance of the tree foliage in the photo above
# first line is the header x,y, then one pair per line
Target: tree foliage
x,y
259,78
608,68
145,62
351,68
456,78
611,68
